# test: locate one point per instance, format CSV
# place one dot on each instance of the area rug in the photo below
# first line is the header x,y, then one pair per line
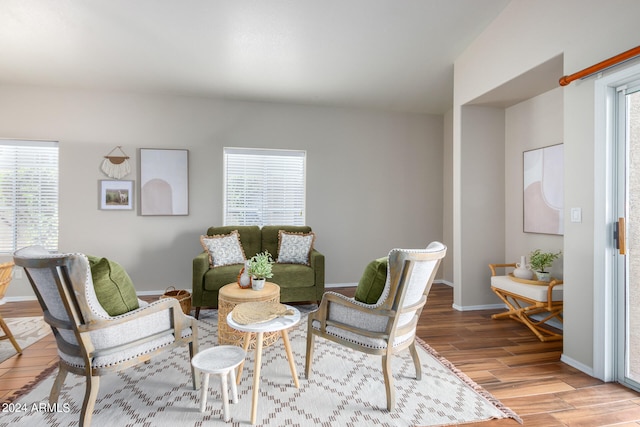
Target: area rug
x,y
346,388
26,330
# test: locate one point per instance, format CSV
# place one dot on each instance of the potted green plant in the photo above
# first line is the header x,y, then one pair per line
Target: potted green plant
x,y
260,269
540,261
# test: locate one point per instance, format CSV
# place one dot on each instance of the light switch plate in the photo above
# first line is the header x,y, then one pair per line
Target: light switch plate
x,y
576,215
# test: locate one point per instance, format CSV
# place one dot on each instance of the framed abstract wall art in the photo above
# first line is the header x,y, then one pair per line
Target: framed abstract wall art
x,y
543,178
164,182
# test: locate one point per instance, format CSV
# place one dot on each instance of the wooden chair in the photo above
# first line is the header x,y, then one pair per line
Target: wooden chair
x,y
90,342
5,278
388,326
530,302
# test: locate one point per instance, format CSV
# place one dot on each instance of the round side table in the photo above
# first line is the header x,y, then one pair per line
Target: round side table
x,y
231,295
221,360
279,325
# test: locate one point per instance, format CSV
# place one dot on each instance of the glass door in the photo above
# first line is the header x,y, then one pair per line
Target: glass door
x,y
628,236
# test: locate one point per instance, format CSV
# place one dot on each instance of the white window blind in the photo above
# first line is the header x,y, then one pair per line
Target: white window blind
x,y
28,194
264,187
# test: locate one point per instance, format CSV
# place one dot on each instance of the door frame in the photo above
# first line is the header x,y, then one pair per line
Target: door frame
x,y
604,259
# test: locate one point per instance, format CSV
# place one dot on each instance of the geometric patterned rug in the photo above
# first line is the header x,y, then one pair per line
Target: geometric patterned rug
x,y
26,330
346,389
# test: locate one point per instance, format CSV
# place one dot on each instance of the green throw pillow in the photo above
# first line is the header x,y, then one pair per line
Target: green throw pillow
x,y
113,286
372,281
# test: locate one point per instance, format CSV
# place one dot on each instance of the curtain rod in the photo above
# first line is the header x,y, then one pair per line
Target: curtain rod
x,y
614,60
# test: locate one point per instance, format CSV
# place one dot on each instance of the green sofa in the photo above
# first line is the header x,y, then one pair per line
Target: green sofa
x,y
298,283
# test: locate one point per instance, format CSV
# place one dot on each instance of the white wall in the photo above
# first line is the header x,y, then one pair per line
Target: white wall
x,y
527,34
374,179
535,123
481,206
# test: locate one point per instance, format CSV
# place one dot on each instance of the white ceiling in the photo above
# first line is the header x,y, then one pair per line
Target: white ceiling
x,y
390,54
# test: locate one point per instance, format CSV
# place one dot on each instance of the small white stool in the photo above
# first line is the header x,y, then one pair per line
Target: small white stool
x,y
221,360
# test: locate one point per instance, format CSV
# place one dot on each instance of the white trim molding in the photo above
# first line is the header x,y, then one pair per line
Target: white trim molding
x,y
478,307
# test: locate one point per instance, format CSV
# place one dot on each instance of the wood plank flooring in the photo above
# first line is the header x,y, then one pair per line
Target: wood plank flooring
x,y
503,356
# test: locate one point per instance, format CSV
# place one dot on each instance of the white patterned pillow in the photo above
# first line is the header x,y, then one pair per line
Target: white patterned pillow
x,y
294,248
223,249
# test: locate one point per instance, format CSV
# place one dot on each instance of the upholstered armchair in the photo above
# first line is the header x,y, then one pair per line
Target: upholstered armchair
x,y
388,326
91,342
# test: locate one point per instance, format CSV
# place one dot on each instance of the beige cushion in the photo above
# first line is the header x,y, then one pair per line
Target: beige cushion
x,y
223,249
534,292
295,248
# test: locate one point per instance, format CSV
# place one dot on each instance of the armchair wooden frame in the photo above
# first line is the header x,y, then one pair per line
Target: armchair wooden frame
x,y
5,277
523,308
394,307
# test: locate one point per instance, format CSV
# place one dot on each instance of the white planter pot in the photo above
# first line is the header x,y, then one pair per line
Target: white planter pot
x,y
543,276
257,284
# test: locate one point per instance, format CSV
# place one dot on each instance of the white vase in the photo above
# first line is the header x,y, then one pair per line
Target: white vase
x,y
245,279
257,284
523,271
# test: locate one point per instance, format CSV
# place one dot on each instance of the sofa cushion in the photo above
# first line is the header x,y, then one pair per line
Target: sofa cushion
x,y
215,278
113,286
372,282
223,249
293,276
294,248
534,292
271,234
250,237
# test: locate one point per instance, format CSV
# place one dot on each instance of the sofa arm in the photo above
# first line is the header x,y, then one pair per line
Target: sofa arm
x,y
200,267
317,263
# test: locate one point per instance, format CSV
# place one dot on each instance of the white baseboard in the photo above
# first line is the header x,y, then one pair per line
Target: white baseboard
x,y
444,282
156,292
578,365
160,292
340,285
326,286
355,284
478,307
152,293
19,299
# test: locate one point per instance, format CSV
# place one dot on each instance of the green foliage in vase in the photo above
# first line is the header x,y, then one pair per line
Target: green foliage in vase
x,y
260,266
540,261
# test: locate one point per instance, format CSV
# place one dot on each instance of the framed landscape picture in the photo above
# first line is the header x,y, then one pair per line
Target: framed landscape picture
x,y
115,195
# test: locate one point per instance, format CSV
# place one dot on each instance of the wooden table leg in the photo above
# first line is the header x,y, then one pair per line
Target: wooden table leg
x,y
292,365
245,347
256,378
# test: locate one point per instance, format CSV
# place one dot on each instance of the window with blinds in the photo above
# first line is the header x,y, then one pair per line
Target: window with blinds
x,y
28,194
264,187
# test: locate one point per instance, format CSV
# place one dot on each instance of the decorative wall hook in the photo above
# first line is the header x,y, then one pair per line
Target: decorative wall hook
x,y
116,166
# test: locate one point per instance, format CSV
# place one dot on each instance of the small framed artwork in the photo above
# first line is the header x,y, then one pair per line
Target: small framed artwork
x,y
116,195
164,182
543,178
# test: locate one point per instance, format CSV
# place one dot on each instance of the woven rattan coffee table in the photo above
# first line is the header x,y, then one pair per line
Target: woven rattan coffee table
x,y
231,295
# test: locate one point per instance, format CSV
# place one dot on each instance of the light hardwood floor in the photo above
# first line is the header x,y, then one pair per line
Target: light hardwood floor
x,y
500,355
